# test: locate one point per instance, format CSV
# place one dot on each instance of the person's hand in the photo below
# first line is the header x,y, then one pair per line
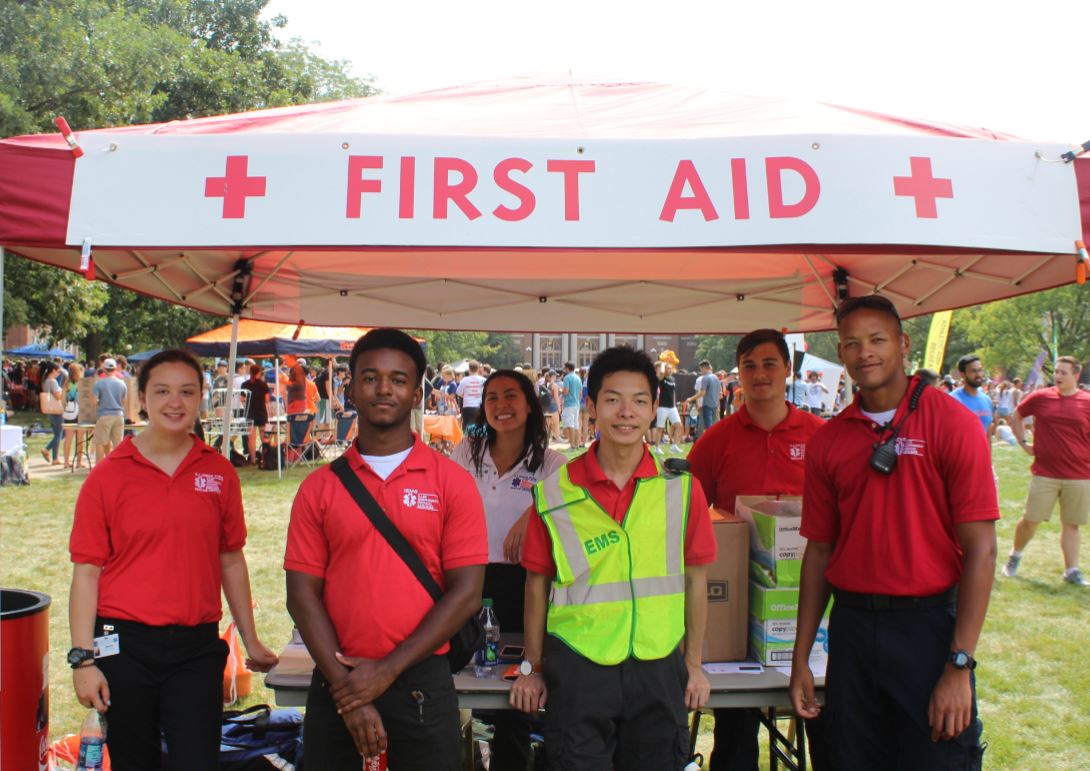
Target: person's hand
x,y
368,680
92,690
512,544
698,690
951,706
1028,448
259,657
364,725
528,693
801,690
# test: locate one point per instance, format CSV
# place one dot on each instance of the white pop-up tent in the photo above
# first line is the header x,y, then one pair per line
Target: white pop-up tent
x,y
550,205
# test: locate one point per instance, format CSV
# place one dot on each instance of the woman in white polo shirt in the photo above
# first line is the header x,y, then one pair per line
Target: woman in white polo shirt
x,y
507,454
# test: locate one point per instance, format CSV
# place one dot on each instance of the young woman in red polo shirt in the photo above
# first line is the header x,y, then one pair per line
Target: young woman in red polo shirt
x,y
158,530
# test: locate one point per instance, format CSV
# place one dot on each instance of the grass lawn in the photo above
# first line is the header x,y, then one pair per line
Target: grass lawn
x,y
1032,686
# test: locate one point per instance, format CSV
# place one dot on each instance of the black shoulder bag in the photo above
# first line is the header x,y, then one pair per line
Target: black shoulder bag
x,y
467,639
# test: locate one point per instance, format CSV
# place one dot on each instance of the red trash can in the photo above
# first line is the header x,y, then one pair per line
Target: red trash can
x,y
24,679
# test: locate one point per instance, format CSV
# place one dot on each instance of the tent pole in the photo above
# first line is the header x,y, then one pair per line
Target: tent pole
x,y
279,443
3,329
229,402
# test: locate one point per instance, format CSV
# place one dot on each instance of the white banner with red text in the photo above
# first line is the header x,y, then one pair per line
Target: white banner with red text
x,y
360,190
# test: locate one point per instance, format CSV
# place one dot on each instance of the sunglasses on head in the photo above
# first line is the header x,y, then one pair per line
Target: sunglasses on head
x,y
870,302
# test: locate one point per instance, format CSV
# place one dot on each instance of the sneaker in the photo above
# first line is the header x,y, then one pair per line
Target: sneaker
x,y
1075,576
1010,570
658,449
675,448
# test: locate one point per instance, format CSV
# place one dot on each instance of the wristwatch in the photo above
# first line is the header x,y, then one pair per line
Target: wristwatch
x,y
962,660
77,656
527,668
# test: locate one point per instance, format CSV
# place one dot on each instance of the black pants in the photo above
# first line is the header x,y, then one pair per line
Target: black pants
x,y
168,678
628,717
736,741
505,585
469,417
883,666
420,737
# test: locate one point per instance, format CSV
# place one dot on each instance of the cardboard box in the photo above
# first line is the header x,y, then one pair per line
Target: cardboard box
x,y
772,642
775,543
772,619
728,594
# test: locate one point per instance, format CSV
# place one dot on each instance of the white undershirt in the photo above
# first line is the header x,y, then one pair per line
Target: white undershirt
x,y
384,465
881,418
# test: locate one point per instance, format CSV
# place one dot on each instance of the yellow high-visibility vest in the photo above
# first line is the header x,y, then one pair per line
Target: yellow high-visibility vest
x,y
619,589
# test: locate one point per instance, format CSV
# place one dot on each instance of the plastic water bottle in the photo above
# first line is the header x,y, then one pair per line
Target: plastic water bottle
x,y
488,655
92,742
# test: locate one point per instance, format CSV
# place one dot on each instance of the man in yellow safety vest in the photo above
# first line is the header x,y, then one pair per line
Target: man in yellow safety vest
x,y
616,549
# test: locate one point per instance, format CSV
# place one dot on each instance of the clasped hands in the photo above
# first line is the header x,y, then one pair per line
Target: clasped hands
x,y
364,681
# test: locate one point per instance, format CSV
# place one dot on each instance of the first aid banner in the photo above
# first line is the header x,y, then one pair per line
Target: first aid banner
x,y
377,190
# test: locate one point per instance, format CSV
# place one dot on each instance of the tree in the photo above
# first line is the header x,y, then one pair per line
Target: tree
x,y
103,63
1011,333
63,306
718,349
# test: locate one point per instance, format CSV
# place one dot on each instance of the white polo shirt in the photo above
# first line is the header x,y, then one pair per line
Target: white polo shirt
x,y
505,497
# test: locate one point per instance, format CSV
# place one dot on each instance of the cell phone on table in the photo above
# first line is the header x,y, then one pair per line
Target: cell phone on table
x,y
512,652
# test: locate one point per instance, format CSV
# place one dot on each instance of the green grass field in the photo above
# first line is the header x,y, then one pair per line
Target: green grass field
x,y
1033,691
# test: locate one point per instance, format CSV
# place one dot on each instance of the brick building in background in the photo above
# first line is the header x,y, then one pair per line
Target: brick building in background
x,y
552,349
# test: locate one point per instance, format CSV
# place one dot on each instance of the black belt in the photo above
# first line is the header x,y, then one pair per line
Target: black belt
x,y
893,601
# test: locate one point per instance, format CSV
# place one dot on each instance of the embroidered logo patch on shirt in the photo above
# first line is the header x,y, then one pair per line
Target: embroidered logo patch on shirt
x,y
797,451
207,483
905,446
414,499
522,483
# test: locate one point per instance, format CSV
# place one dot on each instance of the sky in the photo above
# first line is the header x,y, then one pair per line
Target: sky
x,y
1012,67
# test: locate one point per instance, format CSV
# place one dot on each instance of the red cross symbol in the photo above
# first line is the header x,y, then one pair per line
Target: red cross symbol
x,y
234,187
923,187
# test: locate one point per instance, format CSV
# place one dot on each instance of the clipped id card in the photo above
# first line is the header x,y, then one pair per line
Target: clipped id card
x,y
107,645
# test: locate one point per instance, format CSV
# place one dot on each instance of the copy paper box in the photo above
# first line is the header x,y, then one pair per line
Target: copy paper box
x,y
775,543
776,604
772,642
728,590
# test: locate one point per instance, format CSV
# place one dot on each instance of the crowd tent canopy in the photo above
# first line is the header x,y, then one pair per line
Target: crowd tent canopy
x,y
551,204
262,338
39,351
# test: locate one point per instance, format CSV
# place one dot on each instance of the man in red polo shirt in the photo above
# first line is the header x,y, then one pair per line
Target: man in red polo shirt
x,y
899,514
632,588
1061,465
374,631
758,450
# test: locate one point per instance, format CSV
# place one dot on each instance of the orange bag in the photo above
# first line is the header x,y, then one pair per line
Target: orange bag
x,y
237,679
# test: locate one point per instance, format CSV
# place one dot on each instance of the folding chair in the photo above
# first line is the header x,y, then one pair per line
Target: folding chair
x,y
301,447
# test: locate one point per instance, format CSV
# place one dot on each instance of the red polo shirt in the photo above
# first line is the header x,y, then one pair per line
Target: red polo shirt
x,y
1061,433
158,538
372,598
737,457
896,534
585,471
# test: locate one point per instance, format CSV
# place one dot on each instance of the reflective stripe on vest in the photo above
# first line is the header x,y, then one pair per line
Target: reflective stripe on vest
x,y
619,589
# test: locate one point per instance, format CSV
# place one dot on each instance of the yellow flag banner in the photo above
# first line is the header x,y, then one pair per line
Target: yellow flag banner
x,y
936,340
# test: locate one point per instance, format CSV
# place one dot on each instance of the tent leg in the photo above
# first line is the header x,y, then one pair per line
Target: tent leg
x,y
3,381
279,443
229,402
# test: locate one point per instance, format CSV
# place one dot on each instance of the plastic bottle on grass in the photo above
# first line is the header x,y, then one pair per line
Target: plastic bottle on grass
x,y
92,742
488,655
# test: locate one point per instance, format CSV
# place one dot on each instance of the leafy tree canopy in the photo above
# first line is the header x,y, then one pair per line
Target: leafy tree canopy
x,y
103,63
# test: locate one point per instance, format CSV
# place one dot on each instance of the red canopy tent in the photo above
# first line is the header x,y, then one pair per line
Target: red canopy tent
x,y
551,205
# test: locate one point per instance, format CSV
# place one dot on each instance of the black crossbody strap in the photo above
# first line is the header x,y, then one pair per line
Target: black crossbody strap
x,y
387,529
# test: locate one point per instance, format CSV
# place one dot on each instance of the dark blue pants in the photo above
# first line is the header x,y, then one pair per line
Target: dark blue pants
x,y
883,666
